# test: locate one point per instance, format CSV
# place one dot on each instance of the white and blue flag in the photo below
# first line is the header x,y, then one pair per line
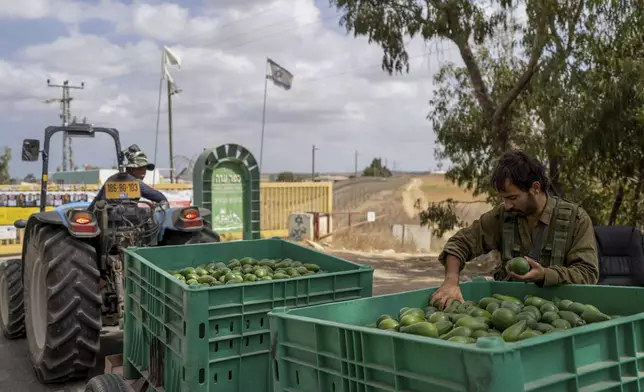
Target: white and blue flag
x,y
279,75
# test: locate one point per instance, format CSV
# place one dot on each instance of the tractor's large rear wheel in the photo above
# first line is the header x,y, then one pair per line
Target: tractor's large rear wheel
x,y
62,305
12,312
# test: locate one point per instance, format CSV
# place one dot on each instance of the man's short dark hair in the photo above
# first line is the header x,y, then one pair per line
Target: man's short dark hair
x,y
521,169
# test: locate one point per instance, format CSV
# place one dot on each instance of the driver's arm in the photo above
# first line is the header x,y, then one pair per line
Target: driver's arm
x,y
152,194
99,196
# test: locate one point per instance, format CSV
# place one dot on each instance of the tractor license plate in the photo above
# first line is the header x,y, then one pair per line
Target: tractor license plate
x,y
122,190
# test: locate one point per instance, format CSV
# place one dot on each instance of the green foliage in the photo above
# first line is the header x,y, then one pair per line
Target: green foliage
x,y
564,85
376,169
5,158
285,177
440,217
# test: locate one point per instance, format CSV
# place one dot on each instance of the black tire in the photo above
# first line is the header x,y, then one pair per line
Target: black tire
x,y
12,311
63,321
107,383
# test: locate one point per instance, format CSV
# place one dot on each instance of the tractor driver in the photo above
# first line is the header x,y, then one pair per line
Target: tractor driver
x,y
137,165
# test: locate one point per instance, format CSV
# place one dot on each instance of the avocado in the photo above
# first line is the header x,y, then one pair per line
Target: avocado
x,y
543,327
590,316
528,317
519,266
260,272
507,298
410,319
247,261
471,323
461,339
548,307
383,317
188,271
311,267
513,306
280,276
561,324
266,278
438,316
422,328
192,282
458,331
388,324
402,311
537,302
492,306
493,332
485,301
250,278
578,308
572,318
593,308
478,312
503,318
529,333
415,311
454,317
233,263
443,326
206,279
235,280
555,330
512,333
479,333
533,310
564,304
549,317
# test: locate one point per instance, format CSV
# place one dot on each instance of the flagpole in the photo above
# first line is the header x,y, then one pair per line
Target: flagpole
x,y
261,147
156,139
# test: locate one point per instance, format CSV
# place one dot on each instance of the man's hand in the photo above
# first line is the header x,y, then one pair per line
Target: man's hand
x,y
536,273
446,294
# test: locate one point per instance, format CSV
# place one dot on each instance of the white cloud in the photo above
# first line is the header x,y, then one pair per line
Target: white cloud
x,y
341,100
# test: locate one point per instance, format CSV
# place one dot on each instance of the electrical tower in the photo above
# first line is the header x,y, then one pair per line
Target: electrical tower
x,y
66,116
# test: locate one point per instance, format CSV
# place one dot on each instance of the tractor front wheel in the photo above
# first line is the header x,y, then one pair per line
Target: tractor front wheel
x,y
12,312
62,304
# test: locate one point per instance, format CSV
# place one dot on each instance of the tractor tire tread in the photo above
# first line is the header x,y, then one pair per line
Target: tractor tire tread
x,y
15,327
74,320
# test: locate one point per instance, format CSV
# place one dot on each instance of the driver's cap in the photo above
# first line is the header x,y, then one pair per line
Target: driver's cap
x,y
137,159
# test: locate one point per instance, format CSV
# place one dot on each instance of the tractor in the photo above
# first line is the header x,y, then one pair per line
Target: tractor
x,y
68,284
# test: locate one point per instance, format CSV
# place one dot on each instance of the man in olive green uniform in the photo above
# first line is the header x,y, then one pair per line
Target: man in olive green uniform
x,y
530,223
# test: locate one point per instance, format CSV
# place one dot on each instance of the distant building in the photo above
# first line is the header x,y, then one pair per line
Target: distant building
x,y
95,176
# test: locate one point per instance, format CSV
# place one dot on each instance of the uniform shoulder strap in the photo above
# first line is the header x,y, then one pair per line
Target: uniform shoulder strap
x,y
508,236
562,224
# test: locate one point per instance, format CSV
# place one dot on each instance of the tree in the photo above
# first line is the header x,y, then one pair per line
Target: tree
x,y
5,158
286,177
376,169
30,178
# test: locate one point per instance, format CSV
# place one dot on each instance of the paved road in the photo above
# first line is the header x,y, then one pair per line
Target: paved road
x,y
16,373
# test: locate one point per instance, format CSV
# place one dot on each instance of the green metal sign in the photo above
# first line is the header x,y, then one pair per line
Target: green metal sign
x,y
227,199
226,182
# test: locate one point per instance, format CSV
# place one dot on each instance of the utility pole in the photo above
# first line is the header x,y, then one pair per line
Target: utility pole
x,y
65,115
172,90
355,169
313,149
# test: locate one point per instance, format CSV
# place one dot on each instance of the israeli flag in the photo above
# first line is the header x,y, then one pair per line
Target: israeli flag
x,y
279,75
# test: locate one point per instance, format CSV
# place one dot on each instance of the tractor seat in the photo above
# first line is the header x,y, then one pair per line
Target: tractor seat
x,y
621,256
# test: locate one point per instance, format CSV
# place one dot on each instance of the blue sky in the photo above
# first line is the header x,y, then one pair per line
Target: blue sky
x,y
341,100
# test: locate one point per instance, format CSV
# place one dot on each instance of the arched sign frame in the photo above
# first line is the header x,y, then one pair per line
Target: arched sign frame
x,y
226,182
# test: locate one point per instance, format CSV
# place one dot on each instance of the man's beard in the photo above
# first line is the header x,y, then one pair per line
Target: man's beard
x,y
530,208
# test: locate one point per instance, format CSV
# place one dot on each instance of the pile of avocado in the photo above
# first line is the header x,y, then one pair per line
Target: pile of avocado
x,y
246,270
498,315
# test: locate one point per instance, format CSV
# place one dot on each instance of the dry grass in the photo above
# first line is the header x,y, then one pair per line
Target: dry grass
x,y
396,206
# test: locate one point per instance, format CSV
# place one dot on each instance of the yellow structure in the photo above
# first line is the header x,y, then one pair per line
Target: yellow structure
x,y
279,200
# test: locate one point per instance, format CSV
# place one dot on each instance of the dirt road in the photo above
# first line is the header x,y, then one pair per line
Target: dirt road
x,y
395,274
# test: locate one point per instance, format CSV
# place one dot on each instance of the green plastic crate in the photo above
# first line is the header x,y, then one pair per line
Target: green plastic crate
x,y
216,339
326,348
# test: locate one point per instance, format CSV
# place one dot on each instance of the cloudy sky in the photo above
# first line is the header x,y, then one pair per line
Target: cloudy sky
x,y
341,101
